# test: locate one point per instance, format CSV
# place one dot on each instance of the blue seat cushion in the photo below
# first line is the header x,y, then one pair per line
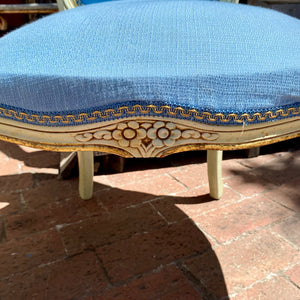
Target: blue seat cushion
x,y
212,62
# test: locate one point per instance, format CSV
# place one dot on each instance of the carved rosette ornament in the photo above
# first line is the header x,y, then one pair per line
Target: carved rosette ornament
x,y
163,134
145,136
129,134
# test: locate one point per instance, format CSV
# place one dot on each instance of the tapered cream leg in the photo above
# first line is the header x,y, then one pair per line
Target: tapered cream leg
x,y
86,173
214,169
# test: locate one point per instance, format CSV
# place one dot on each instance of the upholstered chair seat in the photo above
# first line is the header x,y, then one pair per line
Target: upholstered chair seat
x,y
150,78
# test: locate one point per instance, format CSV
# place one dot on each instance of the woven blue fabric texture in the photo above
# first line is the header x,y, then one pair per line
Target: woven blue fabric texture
x,y
215,59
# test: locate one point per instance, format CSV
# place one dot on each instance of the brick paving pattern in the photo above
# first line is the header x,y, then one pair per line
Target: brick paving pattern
x,y
151,232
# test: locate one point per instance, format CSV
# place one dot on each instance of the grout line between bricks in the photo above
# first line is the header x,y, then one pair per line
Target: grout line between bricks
x,y
239,161
134,277
262,280
58,228
245,165
15,191
279,235
286,277
100,203
159,213
47,264
241,195
195,282
32,268
3,237
113,185
144,202
279,203
22,201
104,271
174,178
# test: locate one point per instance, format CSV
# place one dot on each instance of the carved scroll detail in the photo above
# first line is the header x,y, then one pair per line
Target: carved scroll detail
x,y
146,136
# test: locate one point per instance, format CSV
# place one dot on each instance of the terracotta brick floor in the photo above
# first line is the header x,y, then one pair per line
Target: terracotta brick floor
x,y
151,232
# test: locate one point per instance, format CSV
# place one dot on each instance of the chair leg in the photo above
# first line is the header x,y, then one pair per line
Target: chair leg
x,y
214,169
86,173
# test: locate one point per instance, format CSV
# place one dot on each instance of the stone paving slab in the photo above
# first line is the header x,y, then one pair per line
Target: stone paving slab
x,y
151,232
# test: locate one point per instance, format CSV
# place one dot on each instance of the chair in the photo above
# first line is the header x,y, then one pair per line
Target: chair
x,y
151,78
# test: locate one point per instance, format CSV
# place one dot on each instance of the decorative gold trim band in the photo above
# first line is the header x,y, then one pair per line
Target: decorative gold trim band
x,y
126,111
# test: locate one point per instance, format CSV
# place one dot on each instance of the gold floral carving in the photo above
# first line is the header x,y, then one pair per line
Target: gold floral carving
x,y
145,136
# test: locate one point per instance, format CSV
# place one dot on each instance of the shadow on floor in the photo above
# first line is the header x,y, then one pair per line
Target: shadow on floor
x,y
134,242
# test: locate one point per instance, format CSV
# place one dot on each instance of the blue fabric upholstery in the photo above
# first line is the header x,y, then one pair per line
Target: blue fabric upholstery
x,y
211,62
